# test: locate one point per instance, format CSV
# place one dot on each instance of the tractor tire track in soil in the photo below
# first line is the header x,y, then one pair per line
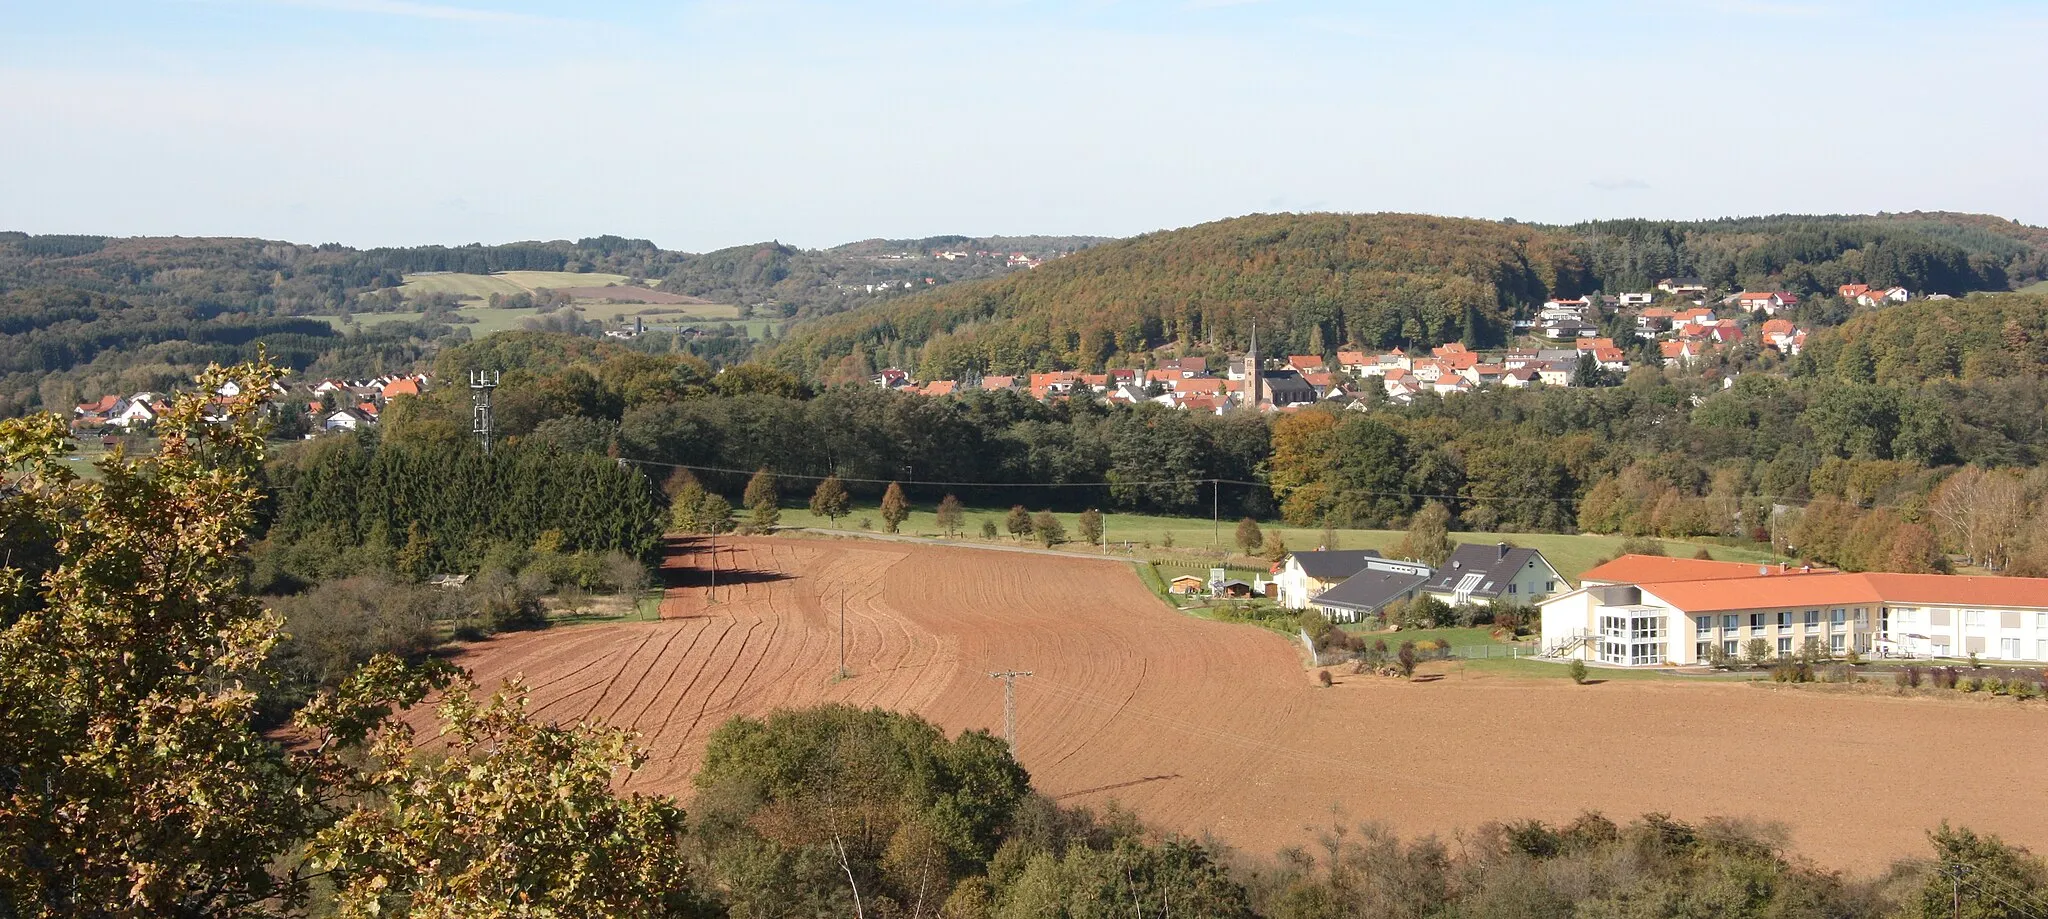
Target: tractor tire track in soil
x,y
1200,726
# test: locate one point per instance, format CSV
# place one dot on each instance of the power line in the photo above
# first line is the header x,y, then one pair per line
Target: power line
x,y
1215,481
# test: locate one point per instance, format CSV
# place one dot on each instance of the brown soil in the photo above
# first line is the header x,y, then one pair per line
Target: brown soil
x,y
1207,727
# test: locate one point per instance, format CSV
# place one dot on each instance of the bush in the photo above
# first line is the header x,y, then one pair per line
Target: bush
x,y
1406,659
1901,678
1323,677
1943,677
1967,684
1048,528
1994,686
2025,689
1578,672
1838,673
988,529
1641,545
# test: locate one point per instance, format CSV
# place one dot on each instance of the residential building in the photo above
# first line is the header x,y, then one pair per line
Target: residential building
x,y
1648,621
1767,302
1682,287
1633,300
1366,593
1482,572
1305,574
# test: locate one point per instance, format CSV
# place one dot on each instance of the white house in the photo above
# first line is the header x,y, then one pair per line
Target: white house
x,y
1703,615
1482,572
1307,574
1642,299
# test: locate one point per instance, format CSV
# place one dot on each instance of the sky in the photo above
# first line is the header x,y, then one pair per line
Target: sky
x,y
714,123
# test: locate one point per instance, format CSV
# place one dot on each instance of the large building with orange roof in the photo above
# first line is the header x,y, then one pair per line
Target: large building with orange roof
x,y
1639,611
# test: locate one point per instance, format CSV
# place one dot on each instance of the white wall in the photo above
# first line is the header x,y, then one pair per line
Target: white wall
x,y
2031,633
1566,615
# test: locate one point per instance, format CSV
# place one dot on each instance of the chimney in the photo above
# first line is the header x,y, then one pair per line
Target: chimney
x,y
1503,549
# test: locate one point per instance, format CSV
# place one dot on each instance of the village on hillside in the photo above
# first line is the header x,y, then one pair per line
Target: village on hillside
x,y
1560,345
309,408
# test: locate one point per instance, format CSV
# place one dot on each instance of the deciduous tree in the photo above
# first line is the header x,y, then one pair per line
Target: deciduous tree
x,y
895,508
831,501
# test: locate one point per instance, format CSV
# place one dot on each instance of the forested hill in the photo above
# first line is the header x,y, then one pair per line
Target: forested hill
x,y
1312,281
1923,252
1320,281
784,280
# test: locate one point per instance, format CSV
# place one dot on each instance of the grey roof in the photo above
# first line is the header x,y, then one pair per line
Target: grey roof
x,y
1326,565
1496,563
1369,590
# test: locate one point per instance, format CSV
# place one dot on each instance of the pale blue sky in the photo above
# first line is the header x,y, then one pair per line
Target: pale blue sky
x,y
714,123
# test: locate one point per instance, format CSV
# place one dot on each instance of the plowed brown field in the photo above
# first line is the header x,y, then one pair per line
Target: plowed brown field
x,y
1208,727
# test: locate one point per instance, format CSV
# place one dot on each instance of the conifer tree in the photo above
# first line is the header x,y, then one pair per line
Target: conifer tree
x,y
763,507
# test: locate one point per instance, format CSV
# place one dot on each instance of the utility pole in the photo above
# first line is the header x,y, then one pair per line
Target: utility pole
x,y
481,382
1009,678
714,566
1955,874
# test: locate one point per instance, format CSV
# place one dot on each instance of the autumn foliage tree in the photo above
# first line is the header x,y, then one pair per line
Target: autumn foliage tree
x,y
1249,537
951,515
830,500
895,508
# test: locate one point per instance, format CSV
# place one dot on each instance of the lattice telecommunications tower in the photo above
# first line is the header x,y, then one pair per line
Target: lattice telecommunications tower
x,y
481,382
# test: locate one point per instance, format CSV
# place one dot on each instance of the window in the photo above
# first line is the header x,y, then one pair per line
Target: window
x,y
1785,620
1511,587
1704,651
1730,648
1939,647
1756,621
1973,618
1837,616
1705,624
2009,648
1906,615
1785,646
1813,619
1862,617
1729,622
1838,642
2041,620
1549,586
2041,650
1646,628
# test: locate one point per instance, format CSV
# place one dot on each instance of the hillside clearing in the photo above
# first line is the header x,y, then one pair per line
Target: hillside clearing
x,y
1205,727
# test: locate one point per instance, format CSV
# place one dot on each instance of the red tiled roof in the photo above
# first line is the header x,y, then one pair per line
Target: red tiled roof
x,y
1636,569
1836,589
1353,358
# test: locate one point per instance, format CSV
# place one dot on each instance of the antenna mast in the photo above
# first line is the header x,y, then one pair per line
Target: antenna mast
x,y
481,382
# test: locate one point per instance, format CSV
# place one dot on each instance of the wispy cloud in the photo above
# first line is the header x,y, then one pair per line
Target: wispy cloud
x,y
406,9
